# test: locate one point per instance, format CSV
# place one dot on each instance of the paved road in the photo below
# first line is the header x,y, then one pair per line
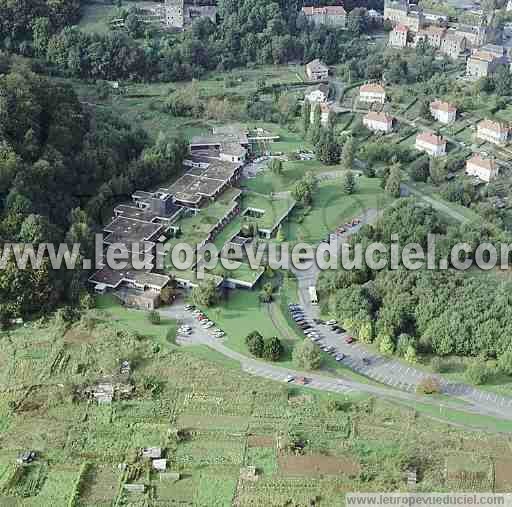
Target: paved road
x,y
317,381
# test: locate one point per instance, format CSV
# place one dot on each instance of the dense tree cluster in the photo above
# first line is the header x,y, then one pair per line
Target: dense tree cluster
x,y
440,311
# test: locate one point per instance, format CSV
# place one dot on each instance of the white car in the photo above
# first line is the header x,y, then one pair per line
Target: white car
x,y
290,378
331,322
208,325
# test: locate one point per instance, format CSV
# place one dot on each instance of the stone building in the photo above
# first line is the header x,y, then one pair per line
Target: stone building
x,y
443,112
378,122
372,92
492,131
331,15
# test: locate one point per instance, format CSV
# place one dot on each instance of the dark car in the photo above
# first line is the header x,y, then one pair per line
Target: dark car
x,y
366,361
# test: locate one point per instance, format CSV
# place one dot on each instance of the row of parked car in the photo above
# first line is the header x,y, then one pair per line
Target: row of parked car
x,y
313,334
204,322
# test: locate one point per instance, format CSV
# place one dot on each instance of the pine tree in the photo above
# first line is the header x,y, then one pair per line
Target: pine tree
x,y
347,155
349,183
393,181
306,116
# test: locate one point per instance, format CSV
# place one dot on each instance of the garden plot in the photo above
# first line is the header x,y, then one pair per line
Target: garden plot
x,y
503,474
465,471
212,422
100,486
317,465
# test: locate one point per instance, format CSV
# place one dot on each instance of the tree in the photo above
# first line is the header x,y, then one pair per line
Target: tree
x,y
386,344
505,362
327,149
357,21
438,170
316,126
306,116
304,188
306,355
424,111
205,294
276,166
266,293
154,317
349,183
272,349
410,355
255,343
347,155
393,181
477,373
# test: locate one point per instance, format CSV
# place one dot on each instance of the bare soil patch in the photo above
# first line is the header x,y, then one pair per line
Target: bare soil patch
x,y
503,474
78,336
260,441
317,464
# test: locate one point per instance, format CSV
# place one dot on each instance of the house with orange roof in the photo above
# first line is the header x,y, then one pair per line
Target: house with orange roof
x,y
443,112
398,36
330,15
484,169
378,122
372,92
431,143
492,131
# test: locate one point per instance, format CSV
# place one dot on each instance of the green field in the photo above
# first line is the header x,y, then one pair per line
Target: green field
x,y
332,208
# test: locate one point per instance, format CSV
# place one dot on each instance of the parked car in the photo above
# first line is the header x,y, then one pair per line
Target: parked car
x,y
332,322
289,378
366,361
189,307
26,457
340,356
302,380
349,339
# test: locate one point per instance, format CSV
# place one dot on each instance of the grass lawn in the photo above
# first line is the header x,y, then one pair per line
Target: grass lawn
x,y
331,208
135,320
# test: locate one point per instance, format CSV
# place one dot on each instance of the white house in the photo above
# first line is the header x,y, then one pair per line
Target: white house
x,y
398,36
484,169
319,93
432,144
317,71
372,92
232,152
378,122
443,112
492,131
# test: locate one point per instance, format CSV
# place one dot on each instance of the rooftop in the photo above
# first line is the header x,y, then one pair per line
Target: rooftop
x,y
330,10
429,138
381,117
493,125
372,88
401,28
485,163
317,66
446,107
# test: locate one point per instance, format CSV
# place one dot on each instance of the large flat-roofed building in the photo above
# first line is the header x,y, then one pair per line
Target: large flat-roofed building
x,y
484,169
317,71
492,131
372,92
443,112
330,15
430,143
378,122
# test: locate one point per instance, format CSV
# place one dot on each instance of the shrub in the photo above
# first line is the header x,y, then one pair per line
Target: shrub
x,y
477,373
272,349
255,343
306,355
505,362
154,317
429,385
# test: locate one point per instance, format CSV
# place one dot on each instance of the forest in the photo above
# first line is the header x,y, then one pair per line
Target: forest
x,y
441,312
